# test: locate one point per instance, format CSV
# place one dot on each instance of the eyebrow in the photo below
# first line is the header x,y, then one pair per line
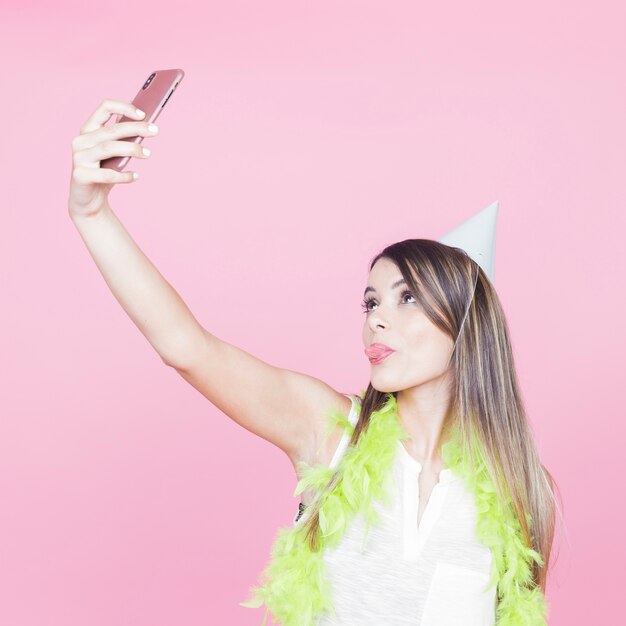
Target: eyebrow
x,y
396,284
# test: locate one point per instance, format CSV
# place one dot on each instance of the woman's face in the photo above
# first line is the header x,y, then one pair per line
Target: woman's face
x,y
395,318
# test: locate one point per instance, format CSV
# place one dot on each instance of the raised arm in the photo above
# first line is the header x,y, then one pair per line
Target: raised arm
x,y
284,407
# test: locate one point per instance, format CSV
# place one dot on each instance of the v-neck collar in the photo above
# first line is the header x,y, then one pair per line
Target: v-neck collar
x,y
445,475
414,537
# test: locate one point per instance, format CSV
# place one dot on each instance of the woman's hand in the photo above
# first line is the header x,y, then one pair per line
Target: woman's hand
x,y
90,184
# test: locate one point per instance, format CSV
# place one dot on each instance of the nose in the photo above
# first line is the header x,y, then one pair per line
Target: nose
x,y
376,322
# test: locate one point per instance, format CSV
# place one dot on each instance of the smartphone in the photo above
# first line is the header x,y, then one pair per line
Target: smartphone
x,y
151,99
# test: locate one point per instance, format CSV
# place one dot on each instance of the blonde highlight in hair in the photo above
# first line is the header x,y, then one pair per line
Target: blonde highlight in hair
x,y
486,401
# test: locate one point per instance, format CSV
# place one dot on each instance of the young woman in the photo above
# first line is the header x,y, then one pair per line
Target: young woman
x,y
425,503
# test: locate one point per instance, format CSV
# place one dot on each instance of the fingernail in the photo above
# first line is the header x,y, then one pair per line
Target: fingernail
x,y
140,113
146,151
153,128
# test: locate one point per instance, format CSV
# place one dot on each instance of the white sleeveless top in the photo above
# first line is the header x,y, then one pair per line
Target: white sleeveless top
x,y
431,575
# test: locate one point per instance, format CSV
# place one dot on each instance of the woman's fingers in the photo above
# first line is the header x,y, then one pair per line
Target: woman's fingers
x,y
106,149
90,184
103,113
90,175
109,133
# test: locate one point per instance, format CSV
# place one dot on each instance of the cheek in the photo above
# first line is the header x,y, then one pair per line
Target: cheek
x,y
441,351
419,337
428,350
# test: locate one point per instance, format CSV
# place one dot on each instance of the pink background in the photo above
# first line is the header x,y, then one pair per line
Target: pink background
x,y
304,138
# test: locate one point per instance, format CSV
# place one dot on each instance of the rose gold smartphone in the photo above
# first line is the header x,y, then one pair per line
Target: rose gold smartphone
x,y
151,99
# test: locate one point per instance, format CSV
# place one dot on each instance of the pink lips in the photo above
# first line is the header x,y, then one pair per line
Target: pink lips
x,y
377,352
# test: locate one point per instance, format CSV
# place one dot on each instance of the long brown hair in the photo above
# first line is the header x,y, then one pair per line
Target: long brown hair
x,y
486,403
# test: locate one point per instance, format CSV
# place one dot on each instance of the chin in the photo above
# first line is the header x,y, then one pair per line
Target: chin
x,y
383,387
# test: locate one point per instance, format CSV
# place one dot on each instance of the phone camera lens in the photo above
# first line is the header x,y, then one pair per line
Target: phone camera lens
x,y
149,80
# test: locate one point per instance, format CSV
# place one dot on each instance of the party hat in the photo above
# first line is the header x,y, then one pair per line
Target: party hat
x,y
477,237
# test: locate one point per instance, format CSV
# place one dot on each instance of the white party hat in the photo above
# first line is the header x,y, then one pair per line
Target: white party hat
x,y
477,237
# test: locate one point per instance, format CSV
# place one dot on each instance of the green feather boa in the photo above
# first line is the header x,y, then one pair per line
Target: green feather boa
x,y
294,585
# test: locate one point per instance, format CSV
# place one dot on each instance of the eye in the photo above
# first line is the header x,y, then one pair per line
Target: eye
x,y
365,304
408,293
367,301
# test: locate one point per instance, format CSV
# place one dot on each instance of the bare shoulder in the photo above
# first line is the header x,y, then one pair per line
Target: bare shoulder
x,y
282,406
285,407
318,445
